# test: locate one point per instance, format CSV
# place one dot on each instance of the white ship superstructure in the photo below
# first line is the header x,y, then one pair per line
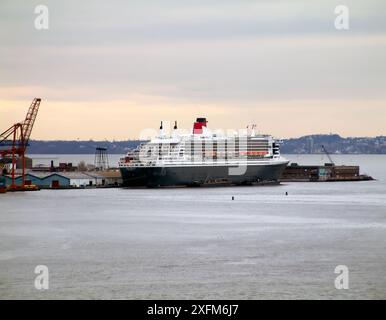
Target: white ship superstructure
x,y
199,151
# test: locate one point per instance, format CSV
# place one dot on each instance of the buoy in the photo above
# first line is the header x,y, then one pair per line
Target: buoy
x,y
233,198
286,193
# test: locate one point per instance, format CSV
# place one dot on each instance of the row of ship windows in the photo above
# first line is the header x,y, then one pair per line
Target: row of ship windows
x,y
214,145
209,156
237,147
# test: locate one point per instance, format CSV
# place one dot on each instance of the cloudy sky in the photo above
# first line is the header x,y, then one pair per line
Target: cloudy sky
x,y
108,69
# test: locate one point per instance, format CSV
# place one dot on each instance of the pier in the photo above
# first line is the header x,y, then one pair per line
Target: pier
x,y
328,172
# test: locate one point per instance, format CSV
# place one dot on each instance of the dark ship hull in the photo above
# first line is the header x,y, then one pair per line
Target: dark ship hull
x,y
200,175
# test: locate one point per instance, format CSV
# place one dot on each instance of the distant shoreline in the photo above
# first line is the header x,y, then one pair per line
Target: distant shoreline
x,y
334,143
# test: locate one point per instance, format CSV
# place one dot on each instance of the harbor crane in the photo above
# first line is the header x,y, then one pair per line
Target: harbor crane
x,y
328,155
14,142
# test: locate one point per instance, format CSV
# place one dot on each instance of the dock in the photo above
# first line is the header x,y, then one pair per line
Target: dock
x,y
328,172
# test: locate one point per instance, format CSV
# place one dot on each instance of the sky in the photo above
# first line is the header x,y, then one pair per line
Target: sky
x,y
109,69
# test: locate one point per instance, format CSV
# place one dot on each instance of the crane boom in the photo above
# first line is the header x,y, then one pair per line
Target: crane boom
x,y
26,125
328,155
29,121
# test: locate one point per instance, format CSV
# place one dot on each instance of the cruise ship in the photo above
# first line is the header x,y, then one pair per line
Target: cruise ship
x,y
202,158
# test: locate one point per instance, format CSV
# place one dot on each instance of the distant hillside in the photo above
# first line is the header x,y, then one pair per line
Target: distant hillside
x,y
80,147
334,144
303,145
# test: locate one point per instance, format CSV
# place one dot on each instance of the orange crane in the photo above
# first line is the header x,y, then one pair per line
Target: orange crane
x,y
14,142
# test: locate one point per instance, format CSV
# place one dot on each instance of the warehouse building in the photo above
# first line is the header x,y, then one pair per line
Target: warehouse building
x,y
108,178
67,179
79,179
41,179
46,179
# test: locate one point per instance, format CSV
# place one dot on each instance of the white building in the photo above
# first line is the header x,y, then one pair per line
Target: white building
x,y
79,179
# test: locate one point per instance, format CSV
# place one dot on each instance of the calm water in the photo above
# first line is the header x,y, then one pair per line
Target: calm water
x,y
198,243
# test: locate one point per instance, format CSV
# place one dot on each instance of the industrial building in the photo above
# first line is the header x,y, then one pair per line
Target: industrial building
x,y
110,177
57,180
